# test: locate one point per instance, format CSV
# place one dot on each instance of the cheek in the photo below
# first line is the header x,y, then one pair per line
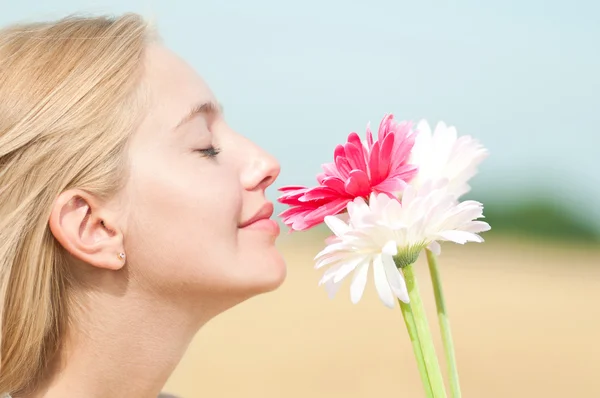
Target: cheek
x,y
183,223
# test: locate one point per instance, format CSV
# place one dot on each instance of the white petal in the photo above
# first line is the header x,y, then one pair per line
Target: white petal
x,y
390,248
408,195
435,248
359,282
336,247
377,203
477,226
392,213
331,259
357,205
381,283
461,237
395,279
330,240
336,225
348,267
332,288
424,128
330,273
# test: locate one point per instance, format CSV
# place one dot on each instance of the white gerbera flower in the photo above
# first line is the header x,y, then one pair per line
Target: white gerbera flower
x,y
387,233
444,155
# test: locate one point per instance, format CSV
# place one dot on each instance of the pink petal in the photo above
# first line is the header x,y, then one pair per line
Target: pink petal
x,y
385,155
402,149
389,194
301,224
317,216
369,136
292,197
404,172
358,184
343,167
339,151
318,193
384,127
293,215
335,183
387,147
293,212
330,169
291,188
356,156
390,185
376,178
321,177
354,139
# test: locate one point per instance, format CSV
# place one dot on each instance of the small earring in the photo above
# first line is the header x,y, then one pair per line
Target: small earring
x,y
121,256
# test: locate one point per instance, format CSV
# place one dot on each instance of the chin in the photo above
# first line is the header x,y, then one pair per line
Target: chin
x,y
276,277
270,273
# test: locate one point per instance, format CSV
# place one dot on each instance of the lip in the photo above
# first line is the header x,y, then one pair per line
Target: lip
x,y
264,225
262,215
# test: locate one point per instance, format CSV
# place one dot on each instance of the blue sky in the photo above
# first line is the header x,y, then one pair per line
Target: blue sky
x,y
297,77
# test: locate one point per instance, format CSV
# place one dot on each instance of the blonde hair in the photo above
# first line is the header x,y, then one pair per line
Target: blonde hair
x,y
69,100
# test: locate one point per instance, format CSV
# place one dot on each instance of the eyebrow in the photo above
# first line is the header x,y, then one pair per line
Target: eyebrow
x,y
204,108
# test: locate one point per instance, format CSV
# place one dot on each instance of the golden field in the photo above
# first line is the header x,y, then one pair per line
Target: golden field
x,y
525,318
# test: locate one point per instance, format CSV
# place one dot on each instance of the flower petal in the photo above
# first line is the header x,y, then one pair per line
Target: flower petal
x,y
348,267
358,184
332,288
384,127
385,155
354,139
435,248
390,248
355,157
336,225
331,259
330,170
460,237
395,279
329,209
335,184
381,283
477,227
369,136
318,193
374,175
287,188
390,185
359,282
332,249
343,166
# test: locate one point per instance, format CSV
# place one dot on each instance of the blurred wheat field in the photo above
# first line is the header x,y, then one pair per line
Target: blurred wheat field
x,y
525,318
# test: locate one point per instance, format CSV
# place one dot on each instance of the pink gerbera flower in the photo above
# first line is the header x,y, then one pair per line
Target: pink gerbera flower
x,y
359,169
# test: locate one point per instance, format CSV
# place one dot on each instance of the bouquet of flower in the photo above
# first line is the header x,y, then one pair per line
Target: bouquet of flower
x,y
386,201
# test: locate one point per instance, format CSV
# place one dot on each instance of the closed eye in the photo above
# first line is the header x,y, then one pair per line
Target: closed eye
x,y
210,152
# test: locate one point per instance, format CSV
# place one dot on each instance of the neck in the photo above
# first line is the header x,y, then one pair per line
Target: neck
x,y
121,346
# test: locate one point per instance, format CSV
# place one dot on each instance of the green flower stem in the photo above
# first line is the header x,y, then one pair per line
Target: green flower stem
x,y
409,320
431,362
444,324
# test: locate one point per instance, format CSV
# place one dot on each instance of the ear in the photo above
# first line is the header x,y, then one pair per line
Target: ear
x,y
87,230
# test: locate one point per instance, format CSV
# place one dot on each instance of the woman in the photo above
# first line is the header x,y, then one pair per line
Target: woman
x,y
130,212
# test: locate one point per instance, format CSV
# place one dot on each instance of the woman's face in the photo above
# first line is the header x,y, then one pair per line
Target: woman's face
x,y
195,192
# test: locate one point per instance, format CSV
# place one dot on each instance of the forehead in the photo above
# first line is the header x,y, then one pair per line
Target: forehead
x,y
173,86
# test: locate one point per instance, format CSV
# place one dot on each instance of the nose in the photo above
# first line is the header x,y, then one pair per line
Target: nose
x,y
261,171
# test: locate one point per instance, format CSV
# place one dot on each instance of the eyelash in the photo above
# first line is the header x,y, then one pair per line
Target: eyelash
x,y
210,152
